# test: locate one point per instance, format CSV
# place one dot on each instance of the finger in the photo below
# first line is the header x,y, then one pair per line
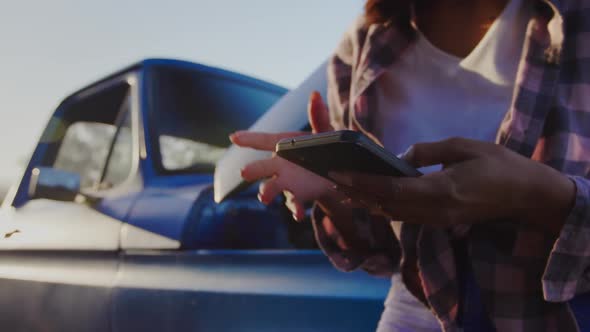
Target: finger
x,y
261,141
449,151
297,209
413,212
317,112
375,207
260,169
387,187
358,199
269,190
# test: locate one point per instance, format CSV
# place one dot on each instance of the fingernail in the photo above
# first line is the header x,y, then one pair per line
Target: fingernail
x,y
235,135
243,173
315,95
311,101
341,178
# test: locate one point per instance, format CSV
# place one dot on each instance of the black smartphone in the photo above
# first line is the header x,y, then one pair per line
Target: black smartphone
x,y
343,151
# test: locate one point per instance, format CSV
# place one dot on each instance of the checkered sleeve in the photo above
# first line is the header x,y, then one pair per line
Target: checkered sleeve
x,y
568,268
379,253
340,74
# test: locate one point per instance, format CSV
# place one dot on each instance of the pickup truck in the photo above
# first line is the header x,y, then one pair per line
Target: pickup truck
x,y
114,227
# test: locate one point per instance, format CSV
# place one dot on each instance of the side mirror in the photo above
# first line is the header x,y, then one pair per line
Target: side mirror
x,y
56,184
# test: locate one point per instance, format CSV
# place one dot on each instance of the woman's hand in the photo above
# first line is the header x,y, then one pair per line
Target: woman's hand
x,y
298,184
479,182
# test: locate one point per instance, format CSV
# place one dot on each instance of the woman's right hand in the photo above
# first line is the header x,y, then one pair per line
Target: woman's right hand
x,y
299,185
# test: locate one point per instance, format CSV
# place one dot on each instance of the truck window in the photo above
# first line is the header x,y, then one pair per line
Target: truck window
x,y
99,149
84,150
194,113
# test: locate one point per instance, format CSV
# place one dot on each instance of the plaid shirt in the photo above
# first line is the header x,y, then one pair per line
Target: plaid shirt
x,y
525,275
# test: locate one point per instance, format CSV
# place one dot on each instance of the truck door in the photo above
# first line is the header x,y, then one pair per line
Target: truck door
x,y
241,266
59,258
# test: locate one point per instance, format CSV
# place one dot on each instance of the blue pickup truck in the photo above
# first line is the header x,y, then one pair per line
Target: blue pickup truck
x,y
114,227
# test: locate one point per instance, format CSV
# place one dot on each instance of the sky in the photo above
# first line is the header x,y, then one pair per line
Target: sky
x,y
51,48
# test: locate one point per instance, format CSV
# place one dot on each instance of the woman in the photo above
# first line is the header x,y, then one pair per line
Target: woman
x,y
499,237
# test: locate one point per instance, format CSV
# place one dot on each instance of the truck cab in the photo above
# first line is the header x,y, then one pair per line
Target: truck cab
x,y
141,146
114,227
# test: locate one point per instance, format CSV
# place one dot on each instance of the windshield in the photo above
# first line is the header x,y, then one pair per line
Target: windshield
x,y
194,112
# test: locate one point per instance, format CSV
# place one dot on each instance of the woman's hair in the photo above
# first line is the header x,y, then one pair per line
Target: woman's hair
x,y
382,11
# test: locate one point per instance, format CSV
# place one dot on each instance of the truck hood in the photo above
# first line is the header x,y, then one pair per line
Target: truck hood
x,y
288,114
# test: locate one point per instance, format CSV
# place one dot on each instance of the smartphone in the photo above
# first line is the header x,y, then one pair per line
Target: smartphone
x,y
343,151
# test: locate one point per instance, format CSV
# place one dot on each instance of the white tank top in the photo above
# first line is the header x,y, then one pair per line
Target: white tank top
x,y
429,95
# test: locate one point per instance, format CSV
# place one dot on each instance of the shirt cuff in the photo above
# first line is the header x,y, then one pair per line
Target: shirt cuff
x,y
570,257
374,259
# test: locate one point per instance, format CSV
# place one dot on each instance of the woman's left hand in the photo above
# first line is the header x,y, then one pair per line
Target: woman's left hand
x,y
479,182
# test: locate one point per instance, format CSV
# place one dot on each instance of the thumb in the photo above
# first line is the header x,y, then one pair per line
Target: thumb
x,y
446,152
318,114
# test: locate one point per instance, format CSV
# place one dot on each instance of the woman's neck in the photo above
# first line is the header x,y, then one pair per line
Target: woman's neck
x,y
456,26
